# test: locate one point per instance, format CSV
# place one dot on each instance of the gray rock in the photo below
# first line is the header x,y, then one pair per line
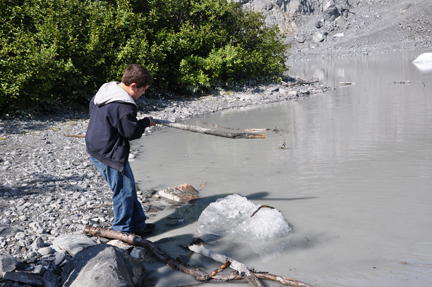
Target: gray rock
x,y
7,263
51,280
72,243
46,251
293,94
300,38
294,7
20,235
103,265
331,12
8,231
120,244
59,257
38,244
24,277
141,254
319,37
263,5
39,270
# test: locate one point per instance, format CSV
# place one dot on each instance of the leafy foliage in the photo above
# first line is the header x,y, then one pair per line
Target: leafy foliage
x,y
58,52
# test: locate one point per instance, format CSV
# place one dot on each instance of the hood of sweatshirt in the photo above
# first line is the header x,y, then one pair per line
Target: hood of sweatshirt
x,y
112,92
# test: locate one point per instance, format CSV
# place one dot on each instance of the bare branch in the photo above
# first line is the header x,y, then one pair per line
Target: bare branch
x,y
244,130
262,206
196,272
197,129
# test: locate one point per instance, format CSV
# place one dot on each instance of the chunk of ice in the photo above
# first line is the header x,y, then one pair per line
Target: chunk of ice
x,y
231,217
424,63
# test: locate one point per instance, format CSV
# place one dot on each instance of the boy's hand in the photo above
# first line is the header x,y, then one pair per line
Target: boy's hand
x,y
151,121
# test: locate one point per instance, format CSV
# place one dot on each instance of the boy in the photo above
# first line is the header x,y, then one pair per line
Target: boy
x,y
113,123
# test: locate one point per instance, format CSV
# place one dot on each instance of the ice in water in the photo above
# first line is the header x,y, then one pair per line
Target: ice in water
x,y
266,232
424,63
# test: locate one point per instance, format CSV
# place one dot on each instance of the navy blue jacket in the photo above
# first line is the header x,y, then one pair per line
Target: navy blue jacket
x,y
111,127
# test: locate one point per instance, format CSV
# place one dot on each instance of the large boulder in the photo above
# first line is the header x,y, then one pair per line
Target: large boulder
x,y
103,265
330,10
320,36
72,243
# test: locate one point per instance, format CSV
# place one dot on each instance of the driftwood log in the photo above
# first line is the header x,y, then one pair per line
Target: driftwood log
x,y
232,135
243,130
198,274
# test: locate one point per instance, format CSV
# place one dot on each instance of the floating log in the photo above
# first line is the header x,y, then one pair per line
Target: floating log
x,y
197,273
243,130
346,83
232,135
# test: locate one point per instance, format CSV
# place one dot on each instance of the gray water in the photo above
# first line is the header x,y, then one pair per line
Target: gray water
x,y
354,180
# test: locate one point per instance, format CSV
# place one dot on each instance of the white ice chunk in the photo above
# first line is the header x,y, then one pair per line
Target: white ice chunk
x,y
425,57
424,62
231,217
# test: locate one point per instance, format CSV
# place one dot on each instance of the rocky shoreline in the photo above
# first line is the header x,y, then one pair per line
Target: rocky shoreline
x,y
49,188
344,28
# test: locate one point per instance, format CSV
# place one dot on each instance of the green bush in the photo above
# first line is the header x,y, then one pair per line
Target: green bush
x,y
58,52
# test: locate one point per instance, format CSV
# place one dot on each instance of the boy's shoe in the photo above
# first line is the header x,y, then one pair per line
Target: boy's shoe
x,y
150,227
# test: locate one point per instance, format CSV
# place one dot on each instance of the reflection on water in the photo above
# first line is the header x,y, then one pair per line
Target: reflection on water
x,y
354,179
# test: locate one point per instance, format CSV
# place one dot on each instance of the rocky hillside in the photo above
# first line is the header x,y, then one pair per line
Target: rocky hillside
x,y
339,28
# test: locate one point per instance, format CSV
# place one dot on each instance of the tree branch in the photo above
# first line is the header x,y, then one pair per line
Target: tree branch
x,y
239,267
194,272
197,129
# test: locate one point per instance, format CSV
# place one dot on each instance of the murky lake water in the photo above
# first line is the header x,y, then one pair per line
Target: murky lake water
x,y
354,180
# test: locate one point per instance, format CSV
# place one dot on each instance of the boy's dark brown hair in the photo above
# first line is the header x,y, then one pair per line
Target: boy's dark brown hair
x,y
135,73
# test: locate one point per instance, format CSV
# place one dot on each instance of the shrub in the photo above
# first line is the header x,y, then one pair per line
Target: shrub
x,y
58,52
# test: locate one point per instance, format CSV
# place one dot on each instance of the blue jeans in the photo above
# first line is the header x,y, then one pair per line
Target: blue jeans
x,y
129,216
